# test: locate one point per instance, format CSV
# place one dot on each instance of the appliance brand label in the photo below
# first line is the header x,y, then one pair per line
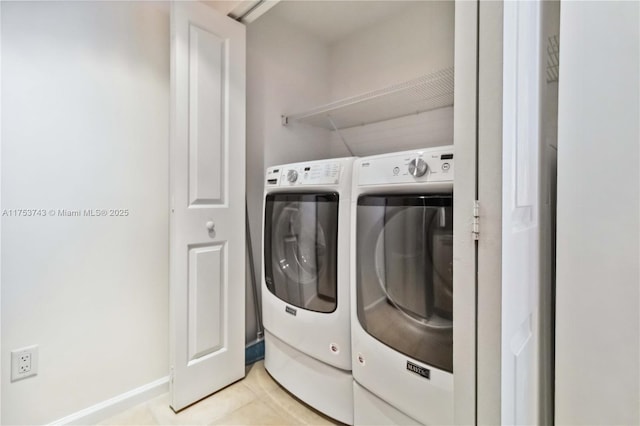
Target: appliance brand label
x,y
290,310
424,372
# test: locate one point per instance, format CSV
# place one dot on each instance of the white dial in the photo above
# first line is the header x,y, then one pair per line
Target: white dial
x,y
418,167
292,176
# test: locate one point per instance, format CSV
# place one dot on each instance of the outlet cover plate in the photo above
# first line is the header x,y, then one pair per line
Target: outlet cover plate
x,y
24,362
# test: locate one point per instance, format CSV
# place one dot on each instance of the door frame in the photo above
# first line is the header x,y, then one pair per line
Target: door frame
x,y
1,207
465,130
490,169
489,266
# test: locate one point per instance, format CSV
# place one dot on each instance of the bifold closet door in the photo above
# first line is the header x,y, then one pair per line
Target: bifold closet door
x,y
207,185
522,336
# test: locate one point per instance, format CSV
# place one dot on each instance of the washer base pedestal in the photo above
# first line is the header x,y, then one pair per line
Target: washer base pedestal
x,y
325,388
368,409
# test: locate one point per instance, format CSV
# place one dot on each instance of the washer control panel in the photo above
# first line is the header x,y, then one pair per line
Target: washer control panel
x,y
428,165
324,173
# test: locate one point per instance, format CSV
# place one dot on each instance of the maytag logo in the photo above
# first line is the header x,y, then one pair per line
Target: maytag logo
x,y
366,164
290,310
424,372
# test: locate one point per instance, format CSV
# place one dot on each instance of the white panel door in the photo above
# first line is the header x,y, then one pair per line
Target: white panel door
x,y
207,184
520,214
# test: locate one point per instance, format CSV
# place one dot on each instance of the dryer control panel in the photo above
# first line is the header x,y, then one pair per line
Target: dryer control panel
x,y
324,173
429,165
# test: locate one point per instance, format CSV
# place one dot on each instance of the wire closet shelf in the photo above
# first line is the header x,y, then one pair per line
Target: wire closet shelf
x,y
425,93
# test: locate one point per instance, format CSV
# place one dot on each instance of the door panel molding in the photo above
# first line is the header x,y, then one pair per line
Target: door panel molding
x,y
207,292
208,115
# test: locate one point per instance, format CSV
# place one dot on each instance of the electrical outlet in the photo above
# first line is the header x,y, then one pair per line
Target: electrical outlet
x,y
24,363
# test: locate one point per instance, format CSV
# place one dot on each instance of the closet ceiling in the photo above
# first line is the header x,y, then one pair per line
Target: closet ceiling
x,y
331,21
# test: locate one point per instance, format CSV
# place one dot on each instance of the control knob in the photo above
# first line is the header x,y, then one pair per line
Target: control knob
x,y
418,167
292,176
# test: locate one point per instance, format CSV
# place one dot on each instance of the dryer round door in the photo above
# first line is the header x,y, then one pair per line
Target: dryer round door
x,y
404,274
301,249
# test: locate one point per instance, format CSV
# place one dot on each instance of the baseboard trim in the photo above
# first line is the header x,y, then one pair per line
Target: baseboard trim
x,y
103,410
96,413
254,352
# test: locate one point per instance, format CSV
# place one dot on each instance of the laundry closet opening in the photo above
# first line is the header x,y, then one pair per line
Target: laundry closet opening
x,y
328,79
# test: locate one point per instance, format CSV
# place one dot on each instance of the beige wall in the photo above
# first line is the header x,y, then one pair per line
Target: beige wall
x,y
598,277
417,41
85,107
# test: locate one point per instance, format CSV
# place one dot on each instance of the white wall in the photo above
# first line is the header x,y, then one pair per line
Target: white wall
x,y
417,41
85,126
598,278
287,72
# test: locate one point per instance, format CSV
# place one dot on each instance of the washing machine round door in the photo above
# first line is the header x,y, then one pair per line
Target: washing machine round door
x,y
301,249
299,243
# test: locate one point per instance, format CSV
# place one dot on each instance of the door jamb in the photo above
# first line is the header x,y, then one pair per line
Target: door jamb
x,y
464,245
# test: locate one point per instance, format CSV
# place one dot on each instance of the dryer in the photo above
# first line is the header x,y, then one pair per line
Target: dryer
x,y
402,287
305,282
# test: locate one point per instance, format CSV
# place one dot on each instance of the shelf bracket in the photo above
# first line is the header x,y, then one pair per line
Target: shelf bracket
x,y
335,128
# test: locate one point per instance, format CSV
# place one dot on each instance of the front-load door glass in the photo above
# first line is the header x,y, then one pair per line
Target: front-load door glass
x,y
300,256
405,274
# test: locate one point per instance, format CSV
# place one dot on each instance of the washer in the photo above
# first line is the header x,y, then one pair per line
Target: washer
x,y
402,287
305,283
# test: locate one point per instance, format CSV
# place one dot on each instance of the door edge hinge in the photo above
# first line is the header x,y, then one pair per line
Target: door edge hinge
x,y
475,224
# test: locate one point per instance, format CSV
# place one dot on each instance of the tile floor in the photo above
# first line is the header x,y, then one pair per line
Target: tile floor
x,y
256,400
